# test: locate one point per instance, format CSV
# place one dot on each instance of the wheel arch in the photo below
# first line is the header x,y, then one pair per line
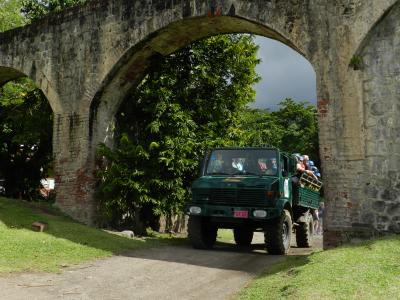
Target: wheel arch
x,y
288,206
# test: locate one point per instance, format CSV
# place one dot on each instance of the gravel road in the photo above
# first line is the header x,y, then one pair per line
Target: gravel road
x,y
172,272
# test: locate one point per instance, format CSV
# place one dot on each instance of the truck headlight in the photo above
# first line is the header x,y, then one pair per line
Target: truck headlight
x,y
195,210
259,213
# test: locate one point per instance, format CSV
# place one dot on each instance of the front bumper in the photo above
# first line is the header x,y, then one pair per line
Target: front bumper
x,y
227,212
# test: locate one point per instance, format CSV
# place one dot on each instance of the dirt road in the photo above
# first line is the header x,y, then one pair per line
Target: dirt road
x,y
177,272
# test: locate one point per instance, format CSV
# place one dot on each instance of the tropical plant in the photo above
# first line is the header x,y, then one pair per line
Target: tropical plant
x,y
186,104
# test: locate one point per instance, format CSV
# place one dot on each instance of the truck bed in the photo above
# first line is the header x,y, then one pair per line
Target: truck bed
x,y
308,198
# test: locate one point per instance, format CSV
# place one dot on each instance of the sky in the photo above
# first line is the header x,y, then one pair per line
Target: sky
x,y
285,74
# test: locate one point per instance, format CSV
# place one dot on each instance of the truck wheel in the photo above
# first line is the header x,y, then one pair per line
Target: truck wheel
x,y
304,232
201,233
278,235
243,236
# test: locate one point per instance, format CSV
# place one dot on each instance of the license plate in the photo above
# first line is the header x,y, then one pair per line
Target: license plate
x,y
241,214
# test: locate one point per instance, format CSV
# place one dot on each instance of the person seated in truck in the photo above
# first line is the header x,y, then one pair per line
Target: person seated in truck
x,y
237,163
301,166
306,162
272,166
316,171
262,163
216,164
300,169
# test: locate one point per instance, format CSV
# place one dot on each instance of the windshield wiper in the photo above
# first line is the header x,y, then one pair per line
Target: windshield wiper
x,y
252,173
218,173
238,173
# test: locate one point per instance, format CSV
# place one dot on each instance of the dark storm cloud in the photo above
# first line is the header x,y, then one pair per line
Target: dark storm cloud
x,y
285,74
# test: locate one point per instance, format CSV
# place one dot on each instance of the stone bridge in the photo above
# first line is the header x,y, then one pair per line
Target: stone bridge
x,y
87,59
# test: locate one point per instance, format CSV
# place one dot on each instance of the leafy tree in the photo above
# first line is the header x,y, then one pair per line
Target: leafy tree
x,y
293,128
25,137
186,104
300,124
25,124
256,127
36,9
10,14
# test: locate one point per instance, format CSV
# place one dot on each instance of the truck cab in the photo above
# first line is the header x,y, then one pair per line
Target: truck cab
x,y
248,190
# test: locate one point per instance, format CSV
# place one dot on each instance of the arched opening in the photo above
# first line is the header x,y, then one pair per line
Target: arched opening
x,y
145,58
26,120
135,63
285,74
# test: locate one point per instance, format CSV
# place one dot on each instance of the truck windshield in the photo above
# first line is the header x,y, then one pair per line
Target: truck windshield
x,y
243,162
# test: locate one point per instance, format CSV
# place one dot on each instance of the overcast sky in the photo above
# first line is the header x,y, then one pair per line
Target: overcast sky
x,y
285,74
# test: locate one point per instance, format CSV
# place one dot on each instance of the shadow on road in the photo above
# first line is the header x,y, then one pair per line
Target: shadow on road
x,y
224,255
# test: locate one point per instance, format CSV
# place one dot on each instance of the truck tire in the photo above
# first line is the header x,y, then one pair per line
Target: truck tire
x,y
304,232
278,235
201,233
243,236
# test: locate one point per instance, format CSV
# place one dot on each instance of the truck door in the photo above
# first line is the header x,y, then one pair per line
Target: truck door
x,y
203,163
286,191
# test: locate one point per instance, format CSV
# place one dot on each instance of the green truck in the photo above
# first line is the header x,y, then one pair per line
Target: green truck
x,y
250,190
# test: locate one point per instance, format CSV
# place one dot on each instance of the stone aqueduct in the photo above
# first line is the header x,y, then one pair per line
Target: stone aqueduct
x,y
88,58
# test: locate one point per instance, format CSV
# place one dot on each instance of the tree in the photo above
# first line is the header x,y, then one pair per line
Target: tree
x,y
300,124
293,128
36,9
10,14
184,105
256,127
25,124
25,137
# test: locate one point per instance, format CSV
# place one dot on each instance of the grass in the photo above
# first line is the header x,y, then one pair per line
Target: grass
x,y
64,243
225,236
369,270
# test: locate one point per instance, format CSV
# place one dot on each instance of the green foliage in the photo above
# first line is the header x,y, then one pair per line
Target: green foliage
x,y
300,124
256,127
25,123
293,128
36,9
186,104
356,62
25,137
10,14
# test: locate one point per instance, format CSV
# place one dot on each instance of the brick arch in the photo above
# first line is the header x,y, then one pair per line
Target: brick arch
x,y
135,63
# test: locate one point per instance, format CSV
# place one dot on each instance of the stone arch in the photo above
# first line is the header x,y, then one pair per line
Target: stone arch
x,y
134,64
370,34
11,73
8,74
